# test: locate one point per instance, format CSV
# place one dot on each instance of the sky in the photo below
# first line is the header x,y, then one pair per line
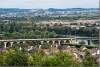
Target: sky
x,y
49,4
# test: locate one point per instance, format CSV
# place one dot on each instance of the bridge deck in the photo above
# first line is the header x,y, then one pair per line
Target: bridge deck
x,y
40,39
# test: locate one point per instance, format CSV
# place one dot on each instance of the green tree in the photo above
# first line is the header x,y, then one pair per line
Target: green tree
x,y
60,59
11,57
89,60
35,58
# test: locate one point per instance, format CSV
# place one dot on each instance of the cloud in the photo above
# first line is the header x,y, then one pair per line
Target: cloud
x,y
48,3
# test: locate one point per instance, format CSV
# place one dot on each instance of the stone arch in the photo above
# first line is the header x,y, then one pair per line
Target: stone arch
x,y
30,43
68,41
62,42
44,42
8,44
50,42
1,45
36,44
95,42
33,43
14,42
82,42
22,42
57,42
39,42
45,45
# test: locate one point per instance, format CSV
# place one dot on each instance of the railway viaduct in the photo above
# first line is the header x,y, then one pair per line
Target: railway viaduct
x,y
51,41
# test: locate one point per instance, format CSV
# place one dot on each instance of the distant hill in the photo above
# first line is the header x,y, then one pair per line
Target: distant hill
x,y
13,10
74,9
16,10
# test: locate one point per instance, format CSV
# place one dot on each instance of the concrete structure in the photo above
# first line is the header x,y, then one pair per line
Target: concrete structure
x,y
52,41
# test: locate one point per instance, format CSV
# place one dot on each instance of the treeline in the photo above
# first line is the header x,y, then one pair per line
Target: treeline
x,y
82,31
32,30
48,18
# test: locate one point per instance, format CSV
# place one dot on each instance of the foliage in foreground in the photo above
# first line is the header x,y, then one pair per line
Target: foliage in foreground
x,y
12,57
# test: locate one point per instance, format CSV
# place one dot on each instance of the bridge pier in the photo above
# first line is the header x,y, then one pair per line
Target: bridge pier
x,y
51,46
53,42
47,42
5,45
18,42
23,42
42,42
70,41
56,45
59,42
86,42
73,41
39,46
64,41
11,43
90,42
20,48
